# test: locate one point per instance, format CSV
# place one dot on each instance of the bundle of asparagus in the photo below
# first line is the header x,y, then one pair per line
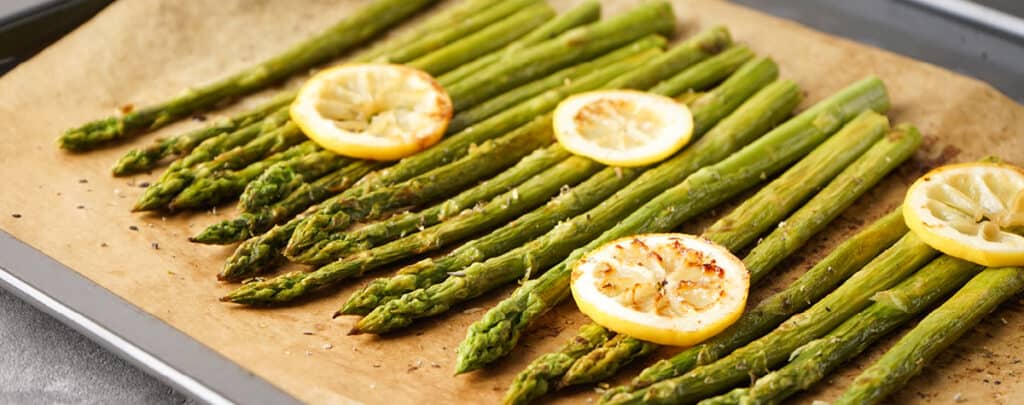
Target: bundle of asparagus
x,y
764,210
534,208
498,332
288,287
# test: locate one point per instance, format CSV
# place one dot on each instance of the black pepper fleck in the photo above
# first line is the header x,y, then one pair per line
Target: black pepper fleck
x,y
133,227
81,207
156,246
103,244
83,181
16,215
144,184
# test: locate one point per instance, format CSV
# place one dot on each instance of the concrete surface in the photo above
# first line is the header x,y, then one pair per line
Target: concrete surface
x,y
44,362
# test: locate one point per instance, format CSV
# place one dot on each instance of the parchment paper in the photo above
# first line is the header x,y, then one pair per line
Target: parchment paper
x,y
142,51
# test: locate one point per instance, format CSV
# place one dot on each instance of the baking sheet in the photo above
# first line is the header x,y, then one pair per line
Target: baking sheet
x,y
141,51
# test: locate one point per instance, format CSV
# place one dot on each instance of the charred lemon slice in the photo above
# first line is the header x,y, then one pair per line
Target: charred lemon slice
x,y
372,111
973,211
623,127
670,289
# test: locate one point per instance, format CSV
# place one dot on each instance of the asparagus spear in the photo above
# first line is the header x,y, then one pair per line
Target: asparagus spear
x,y
584,13
499,210
257,254
756,215
281,179
221,186
256,222
140,160
579,44
469,25
487,39
892,266
936,332
497,333
682,84
604,361
164,191
551,247
512,97
892,308
535,380
318,228
355,29
810,287
439,21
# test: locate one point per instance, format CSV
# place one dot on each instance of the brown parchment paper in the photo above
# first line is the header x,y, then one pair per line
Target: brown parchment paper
x,y
142,51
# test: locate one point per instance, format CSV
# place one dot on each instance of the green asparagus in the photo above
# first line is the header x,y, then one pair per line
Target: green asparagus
x,y
486,160
144,159
319,227
487,39
256,222
210,190
578,44
850,256
585,13
281,179
483,161
331,219
497,333
499,210
604,361
841,193
164,191
140,160
893,307
258,254
889,268
773,203
551,247
355,29
629,54
380,232
512,97
429,272
441,20
935,333
536,379
459,29
753,217
432,271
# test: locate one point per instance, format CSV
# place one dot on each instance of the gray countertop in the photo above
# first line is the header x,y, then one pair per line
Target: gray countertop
x,y
43,361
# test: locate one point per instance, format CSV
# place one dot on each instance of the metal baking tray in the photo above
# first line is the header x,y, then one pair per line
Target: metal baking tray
x,y
982,42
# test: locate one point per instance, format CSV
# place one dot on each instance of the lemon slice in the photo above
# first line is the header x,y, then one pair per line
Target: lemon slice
x,y
966,211
622,127
670,289
372,111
